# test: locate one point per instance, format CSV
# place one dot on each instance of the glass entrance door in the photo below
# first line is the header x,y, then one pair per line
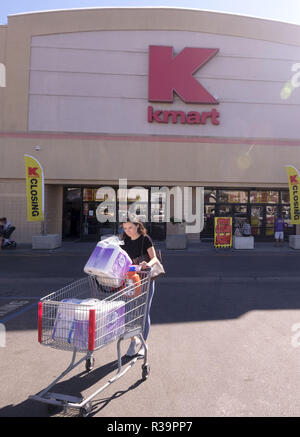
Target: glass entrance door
x,y
239,217
257,220
71,213
271,212
263,219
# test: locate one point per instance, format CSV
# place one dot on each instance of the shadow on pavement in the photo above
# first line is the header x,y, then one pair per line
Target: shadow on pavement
x,y
192,302
74,386
196,288
180,303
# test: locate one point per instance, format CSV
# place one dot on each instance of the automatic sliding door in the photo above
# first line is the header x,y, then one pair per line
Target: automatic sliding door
x,y
257,220
263,219
71,213
271,212
240,215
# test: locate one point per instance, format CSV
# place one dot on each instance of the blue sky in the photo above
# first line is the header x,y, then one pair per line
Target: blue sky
x,y
281,10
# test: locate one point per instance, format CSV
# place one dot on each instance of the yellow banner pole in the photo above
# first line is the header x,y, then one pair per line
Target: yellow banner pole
x,y
294,189
34,190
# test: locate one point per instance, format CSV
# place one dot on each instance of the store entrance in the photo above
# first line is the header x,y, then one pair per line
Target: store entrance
x,y
259,207
71,213
85,210
91,228
262,219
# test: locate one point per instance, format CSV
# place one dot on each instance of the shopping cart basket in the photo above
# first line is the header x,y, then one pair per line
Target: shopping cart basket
x,y
85,316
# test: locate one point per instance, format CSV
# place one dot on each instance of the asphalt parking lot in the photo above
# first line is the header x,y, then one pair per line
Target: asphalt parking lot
x,y
223,341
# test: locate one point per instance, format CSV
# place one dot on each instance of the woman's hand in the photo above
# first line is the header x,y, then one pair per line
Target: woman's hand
x,y
143,265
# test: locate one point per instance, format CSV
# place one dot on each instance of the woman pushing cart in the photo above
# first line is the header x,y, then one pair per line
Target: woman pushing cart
x,y
140,248
87,315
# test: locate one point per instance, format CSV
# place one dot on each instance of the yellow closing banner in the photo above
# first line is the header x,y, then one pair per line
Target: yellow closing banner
x,y
294,186
34,189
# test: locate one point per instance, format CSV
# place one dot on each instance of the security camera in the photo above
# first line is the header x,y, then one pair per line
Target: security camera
x,y
37,148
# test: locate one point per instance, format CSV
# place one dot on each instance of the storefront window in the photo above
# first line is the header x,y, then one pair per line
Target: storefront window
x,y
240,210
90,223
264,196
210,196
271,212
73,194
90,213
225,210
232,196
286,215
136,202
257,214
88,194
106,210
285,197
158,206
150,207
240,214
105,204
101,194
209,219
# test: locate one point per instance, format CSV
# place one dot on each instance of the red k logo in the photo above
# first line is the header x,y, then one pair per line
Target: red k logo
x,y
293,179
168,74
32,171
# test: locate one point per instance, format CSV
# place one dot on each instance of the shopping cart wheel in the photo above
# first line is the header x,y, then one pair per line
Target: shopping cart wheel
x,y
89,364
145,371
85,411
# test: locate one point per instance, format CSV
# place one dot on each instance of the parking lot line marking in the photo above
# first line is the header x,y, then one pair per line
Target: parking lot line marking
x,y
18,297
18,313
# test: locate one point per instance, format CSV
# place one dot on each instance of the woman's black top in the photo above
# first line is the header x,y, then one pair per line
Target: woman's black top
x,y
138,247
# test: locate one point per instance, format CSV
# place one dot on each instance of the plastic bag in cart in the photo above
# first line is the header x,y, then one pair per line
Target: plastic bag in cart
x,y
72,321
110,324
65,320
108,262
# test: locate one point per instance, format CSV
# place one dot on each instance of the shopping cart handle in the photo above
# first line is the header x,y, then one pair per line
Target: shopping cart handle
x,y
146,269
139,269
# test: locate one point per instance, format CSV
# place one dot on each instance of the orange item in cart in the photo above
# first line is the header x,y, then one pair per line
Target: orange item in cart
x,y
132,283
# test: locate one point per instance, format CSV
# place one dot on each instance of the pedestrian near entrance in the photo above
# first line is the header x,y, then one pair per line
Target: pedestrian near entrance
x,y
6,229
137,243
246,229
279,230
1,235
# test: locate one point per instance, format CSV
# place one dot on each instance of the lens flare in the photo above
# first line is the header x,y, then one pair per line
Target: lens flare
x,y
286,90
244,161
291,84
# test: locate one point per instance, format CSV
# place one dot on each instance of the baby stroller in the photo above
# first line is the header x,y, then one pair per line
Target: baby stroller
x,y
6,229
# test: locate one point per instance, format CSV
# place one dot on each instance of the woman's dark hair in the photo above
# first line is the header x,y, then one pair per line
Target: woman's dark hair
x,y
140,226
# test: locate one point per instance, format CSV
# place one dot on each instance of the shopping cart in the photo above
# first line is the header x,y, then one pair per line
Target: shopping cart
x,y
85,316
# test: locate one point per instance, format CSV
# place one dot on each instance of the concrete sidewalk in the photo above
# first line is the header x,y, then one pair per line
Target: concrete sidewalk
x,y
193,247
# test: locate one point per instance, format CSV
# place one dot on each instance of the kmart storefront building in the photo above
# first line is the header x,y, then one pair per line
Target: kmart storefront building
x,y
156,97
